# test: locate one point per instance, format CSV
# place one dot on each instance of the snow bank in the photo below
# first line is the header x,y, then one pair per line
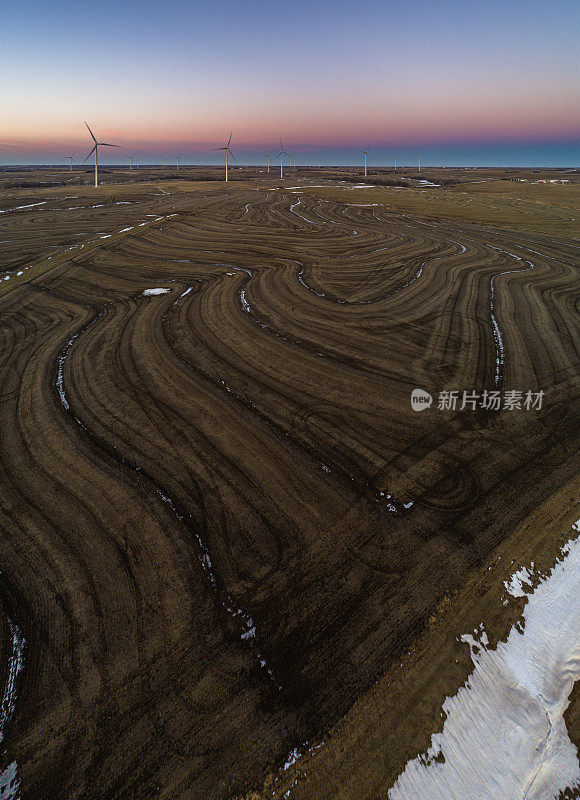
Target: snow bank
x,y
505,734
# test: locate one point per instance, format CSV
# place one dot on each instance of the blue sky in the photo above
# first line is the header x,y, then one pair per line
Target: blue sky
x,y
460,81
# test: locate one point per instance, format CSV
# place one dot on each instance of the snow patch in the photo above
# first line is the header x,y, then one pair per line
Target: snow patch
x,y
15,664
504,733
17,208
10,783
245,304
515,585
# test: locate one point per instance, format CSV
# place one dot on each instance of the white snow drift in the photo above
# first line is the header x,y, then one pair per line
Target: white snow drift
x,y
505,734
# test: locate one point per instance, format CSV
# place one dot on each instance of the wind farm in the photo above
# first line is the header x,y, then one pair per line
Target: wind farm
x,y
289,492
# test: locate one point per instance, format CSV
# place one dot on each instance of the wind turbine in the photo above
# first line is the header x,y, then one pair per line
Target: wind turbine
x,y
419,162
177,158
395,163
269,156
70,158
227,149
130,161
95,150
365,153
280,154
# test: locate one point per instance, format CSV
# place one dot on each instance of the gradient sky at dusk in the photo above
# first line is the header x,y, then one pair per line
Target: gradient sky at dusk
x,y
464,82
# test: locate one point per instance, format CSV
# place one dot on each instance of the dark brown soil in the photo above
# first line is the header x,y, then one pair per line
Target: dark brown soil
x,y
204,498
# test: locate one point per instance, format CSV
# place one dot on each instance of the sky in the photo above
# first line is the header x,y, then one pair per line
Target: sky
x,y
465,83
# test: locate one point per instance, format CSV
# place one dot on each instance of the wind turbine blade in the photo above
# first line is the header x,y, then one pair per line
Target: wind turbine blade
x,y
230,139
219,148
92,134
232,155
90,154
106,144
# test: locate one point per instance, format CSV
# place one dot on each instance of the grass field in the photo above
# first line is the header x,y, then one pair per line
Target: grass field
x,y
541,208
227,537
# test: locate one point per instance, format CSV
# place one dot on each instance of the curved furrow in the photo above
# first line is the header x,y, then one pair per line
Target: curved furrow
x,y
227,477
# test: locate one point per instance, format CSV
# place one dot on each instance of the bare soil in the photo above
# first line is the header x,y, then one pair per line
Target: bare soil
x,y
224,529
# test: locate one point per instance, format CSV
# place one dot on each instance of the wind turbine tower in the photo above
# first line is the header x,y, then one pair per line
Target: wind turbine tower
x,y
177,158
95,150
269,156
419,162
365,153
395,163
70,158
130,161
280,156
227,150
